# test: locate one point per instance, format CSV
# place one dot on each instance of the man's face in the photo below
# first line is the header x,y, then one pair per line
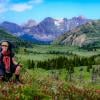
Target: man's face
x,y
4,46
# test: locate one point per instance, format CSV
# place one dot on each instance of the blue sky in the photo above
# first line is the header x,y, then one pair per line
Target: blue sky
x,y
19,11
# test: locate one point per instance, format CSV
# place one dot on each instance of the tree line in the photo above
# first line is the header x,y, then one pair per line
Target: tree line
x,y
62,62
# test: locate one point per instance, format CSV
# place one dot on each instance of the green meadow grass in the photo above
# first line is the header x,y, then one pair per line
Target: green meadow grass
x,y
40,53
76,50
37,81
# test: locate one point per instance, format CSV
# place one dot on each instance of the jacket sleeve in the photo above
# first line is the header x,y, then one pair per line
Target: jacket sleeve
x,y
12,54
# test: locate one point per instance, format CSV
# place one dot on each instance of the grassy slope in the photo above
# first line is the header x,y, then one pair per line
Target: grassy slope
x,y
5,35
16,41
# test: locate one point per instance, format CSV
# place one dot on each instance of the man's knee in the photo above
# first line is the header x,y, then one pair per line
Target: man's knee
x,y
17,70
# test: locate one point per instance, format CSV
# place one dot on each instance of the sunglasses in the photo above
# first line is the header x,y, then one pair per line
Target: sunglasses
x,y
4,45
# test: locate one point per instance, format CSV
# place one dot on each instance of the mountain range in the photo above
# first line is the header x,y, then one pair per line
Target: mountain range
x,y
45,31
84,35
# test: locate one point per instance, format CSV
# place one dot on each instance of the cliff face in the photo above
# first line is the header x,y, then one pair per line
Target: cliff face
x,y
74,39
88,33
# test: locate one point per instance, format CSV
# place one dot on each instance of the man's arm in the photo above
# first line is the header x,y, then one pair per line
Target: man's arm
x,y
14,61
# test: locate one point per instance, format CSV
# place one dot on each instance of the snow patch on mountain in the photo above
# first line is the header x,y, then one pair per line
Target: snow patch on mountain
x,y
58,22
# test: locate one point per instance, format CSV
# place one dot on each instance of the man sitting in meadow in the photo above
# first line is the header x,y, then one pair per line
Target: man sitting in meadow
x,y
8,64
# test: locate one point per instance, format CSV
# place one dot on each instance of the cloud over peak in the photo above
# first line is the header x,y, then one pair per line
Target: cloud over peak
x,y
20,7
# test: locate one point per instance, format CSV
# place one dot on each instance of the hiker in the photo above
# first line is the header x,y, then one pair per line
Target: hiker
x,y
8,64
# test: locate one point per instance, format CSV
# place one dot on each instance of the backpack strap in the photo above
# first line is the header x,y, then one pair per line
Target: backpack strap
x,y
1,56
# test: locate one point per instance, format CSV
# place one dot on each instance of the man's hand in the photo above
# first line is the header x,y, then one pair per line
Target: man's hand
x,y
20,65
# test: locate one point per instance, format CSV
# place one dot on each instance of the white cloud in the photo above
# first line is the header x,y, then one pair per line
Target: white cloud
x,y
18,7
21,7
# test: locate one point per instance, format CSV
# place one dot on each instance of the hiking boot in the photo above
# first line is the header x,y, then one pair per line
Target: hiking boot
x,y
1,78
17,80
7,77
